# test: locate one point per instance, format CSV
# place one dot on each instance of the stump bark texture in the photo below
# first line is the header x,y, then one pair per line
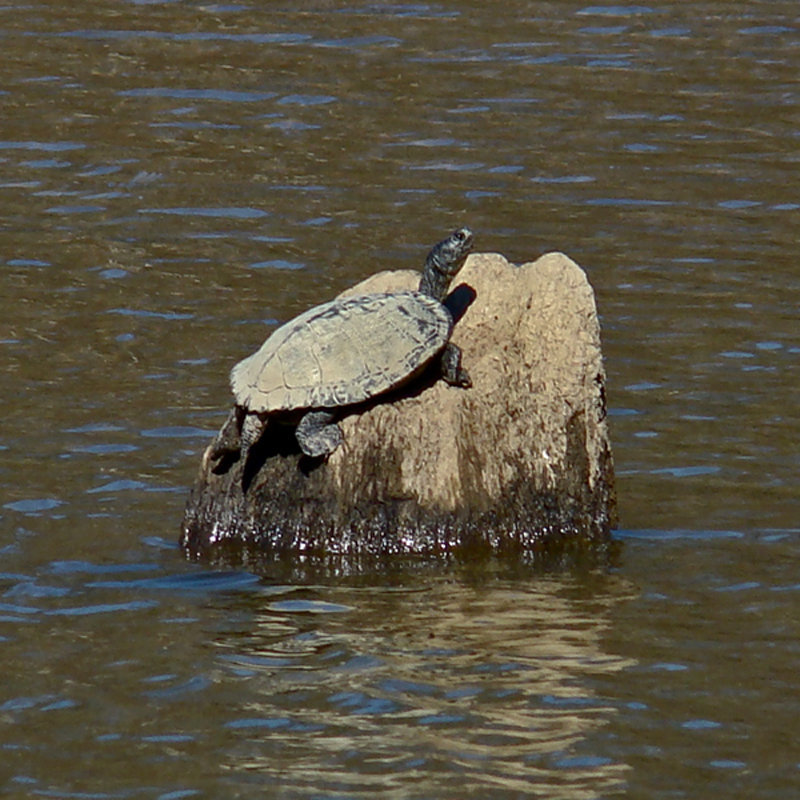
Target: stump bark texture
x,y
520,462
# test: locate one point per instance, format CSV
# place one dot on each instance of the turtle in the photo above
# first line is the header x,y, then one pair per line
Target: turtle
x,y
344,352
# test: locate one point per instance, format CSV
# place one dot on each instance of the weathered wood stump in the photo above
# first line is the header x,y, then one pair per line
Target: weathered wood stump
x,y
518,463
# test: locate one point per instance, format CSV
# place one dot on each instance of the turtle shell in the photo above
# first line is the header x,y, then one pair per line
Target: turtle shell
x,y
343,352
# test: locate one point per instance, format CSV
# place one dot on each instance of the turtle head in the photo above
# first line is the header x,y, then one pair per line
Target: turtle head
x,y
448,256
443,261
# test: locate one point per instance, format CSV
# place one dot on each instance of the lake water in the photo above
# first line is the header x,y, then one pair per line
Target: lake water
x,y
178,177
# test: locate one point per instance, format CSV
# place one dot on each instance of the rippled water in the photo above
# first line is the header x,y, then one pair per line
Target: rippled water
x,y
175,178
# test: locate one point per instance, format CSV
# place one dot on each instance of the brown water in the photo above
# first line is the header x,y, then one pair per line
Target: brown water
x,y
175,177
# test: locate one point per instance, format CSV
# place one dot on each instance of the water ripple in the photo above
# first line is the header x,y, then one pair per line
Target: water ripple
x,y
34,506
102,608
226,95
50,147
230,212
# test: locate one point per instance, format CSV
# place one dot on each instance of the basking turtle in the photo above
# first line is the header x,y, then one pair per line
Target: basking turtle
x,y
344,352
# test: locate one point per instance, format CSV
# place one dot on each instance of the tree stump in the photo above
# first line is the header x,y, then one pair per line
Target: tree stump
x,y
519,463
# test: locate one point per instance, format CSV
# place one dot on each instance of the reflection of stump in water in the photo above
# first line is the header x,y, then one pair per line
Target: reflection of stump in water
x,y
516,463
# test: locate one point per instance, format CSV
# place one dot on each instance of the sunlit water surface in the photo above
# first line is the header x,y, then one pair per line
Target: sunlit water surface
x,y
176,178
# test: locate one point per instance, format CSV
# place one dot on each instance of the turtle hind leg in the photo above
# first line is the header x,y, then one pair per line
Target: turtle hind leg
x,y
318,434
228,440
452,371
252,428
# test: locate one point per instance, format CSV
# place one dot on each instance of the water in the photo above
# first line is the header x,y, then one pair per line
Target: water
x,y
176,178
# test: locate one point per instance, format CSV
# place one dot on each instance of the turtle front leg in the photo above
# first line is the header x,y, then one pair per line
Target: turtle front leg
x,y
452,371
318,434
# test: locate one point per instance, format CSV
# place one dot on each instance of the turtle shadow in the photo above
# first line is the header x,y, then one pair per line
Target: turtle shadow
x,y
224,463
459,300
276,441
